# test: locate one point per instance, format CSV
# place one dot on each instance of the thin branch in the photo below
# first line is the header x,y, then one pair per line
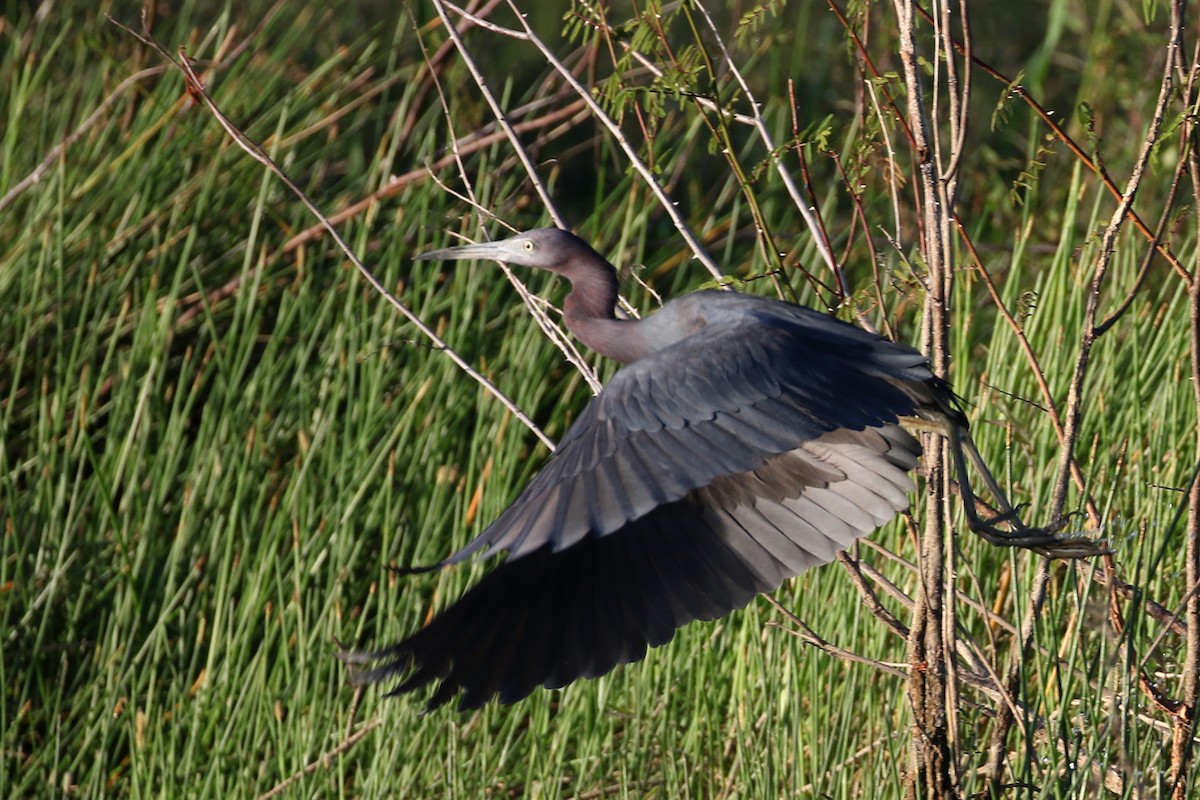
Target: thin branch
x,y
1039,375
323,760
932,688
618,136
196,90
1183,722
462,146
1060,134
497,112
1073,413
56,152
807,213
806,634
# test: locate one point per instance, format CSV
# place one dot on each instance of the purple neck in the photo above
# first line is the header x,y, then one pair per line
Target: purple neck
x,y
588,313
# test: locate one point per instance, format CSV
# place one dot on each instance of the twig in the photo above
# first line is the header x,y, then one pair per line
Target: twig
x,y
1035,367
868,596
56,152
464,145
1060,134
498,113
1183,722
893,190
527,34
1005,715
807,213
932,688
1073,413
323,760
808,635
552,331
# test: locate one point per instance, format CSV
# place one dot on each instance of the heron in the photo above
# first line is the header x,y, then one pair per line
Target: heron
x,y
743,441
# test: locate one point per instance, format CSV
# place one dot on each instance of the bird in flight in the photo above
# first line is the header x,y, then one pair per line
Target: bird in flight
x,y
744,441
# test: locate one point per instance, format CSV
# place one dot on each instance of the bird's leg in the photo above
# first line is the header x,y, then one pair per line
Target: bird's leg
x,y
1044,540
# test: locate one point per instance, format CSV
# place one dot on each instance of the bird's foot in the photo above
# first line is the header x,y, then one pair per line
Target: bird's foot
x,y
1048,541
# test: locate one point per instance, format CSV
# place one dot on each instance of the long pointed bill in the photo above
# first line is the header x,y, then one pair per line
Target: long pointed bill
x,y
504,250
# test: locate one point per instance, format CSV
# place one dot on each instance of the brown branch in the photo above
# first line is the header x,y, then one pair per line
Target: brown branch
x,y
869,597
1148,258
222,60
932,689
323,760
1184,711
806,634
875,73
465,146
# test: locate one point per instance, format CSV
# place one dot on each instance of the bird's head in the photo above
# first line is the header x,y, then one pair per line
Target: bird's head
x,y
551,249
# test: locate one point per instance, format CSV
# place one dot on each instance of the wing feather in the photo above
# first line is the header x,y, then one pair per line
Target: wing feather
x,y
761,378
553,616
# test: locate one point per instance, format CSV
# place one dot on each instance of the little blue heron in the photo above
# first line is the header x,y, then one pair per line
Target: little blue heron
x,y
744,441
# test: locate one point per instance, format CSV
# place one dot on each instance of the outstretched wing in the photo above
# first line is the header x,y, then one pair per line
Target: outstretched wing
x,y
758,443
759,379
554,616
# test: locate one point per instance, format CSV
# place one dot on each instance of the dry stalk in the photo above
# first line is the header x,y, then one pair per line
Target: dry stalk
x,y
933,692
1184,720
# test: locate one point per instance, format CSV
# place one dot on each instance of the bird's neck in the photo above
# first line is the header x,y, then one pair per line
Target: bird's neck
x,y
588,313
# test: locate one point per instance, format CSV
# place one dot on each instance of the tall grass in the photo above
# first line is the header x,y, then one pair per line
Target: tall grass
x,y
214,439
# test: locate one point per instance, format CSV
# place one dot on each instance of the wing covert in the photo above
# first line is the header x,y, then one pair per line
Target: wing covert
x,y
758,378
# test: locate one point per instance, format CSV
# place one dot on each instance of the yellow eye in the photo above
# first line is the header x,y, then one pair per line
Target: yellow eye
x,y
528,245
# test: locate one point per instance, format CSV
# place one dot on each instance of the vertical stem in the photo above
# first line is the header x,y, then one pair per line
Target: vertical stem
x,y
998,745
932,687
1184,721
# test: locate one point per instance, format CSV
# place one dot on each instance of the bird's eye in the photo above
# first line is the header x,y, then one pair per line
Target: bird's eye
x,y
528,245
